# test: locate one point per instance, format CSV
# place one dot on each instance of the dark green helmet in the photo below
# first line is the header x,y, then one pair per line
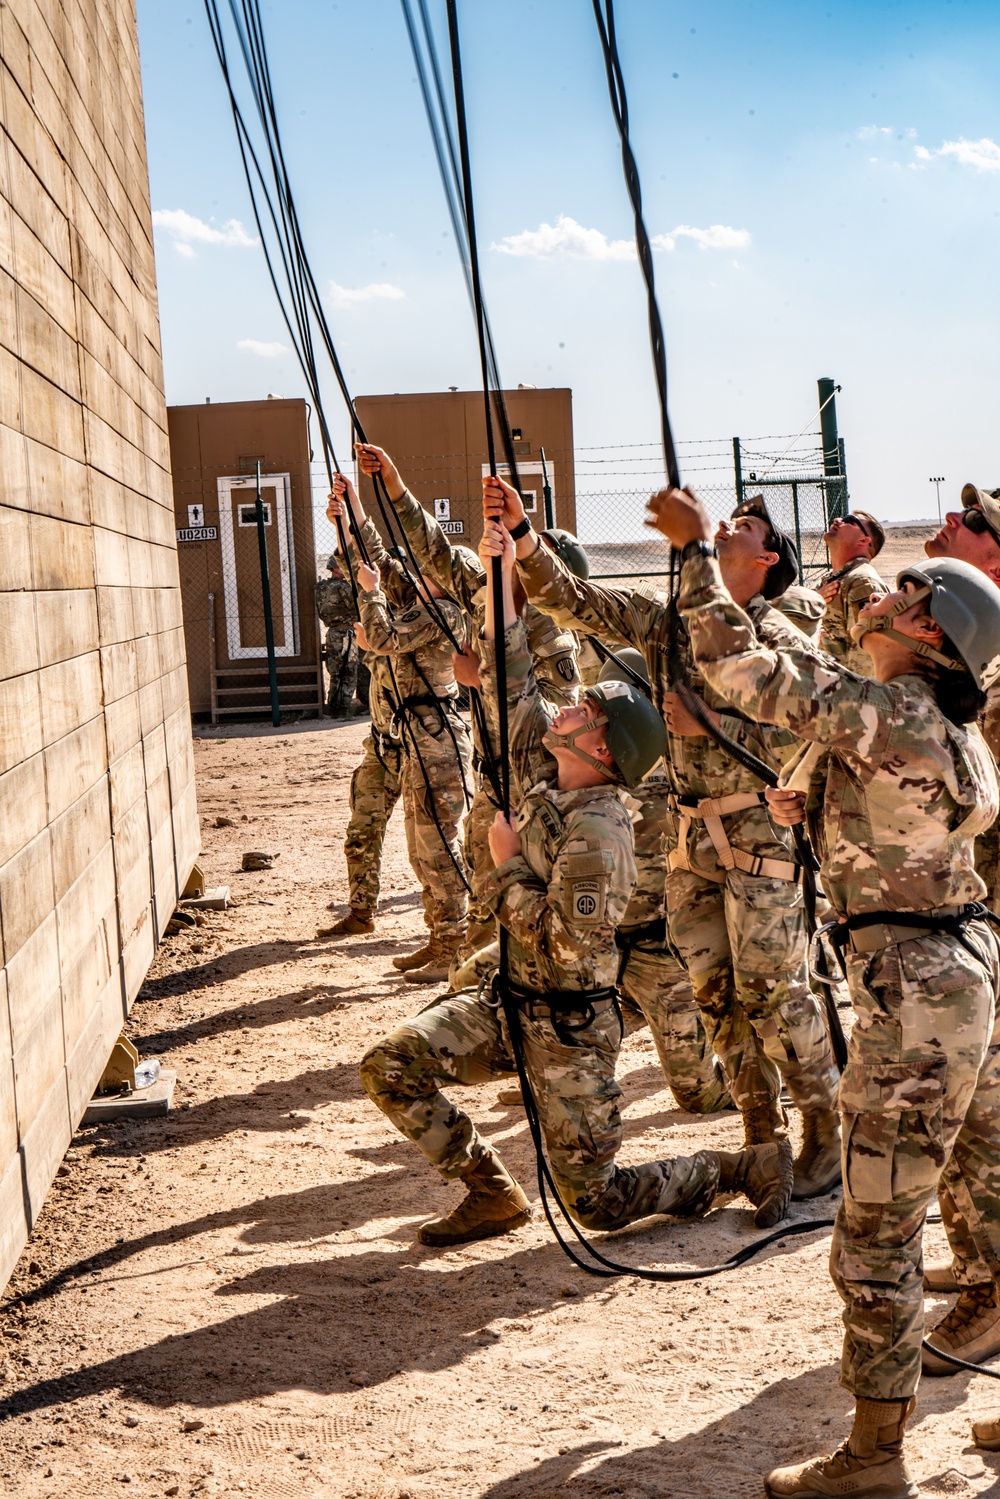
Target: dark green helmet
x,y
636,734
569,551
626,657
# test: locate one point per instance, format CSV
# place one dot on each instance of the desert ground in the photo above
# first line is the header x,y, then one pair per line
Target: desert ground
x,y
230,1300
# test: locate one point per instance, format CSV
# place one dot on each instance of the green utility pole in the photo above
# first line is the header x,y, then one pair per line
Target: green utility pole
x,y
738,470
265,584
833,452
550,515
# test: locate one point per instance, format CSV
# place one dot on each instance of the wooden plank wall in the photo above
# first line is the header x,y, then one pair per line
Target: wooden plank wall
x,y
97,809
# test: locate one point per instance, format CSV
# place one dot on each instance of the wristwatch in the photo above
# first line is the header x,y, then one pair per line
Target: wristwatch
x,y
698,548
521,529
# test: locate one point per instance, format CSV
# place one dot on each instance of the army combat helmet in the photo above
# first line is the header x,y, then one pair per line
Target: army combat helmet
x,y
623,666
636,735
962,600
569,551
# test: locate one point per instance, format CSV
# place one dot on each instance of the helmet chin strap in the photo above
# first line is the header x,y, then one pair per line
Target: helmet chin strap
x,y
552,740
882,624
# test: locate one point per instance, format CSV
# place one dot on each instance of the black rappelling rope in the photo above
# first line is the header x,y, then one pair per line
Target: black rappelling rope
x,y
676,667
598,1263
299,301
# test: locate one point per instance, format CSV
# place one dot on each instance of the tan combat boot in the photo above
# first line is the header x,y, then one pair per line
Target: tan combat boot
x,y
986,1434
434,970
762,1173
869,1465
970,1331
817,1165
494,1205
765,1124
941,1279
417,959
358,919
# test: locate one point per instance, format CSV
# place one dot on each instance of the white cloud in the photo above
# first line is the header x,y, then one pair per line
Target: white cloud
x,y
715,237
982,155
265,350
186,231
867,132
566,239
375,291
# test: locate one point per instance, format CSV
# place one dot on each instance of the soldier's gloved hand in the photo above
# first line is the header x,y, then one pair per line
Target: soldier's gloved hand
x,y
829,590
504,839
679,515
467,669
786,808
502,502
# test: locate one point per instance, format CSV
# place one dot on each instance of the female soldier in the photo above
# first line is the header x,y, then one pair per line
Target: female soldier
x,y
907,783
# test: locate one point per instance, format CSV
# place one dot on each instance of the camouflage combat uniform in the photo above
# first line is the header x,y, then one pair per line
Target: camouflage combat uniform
x,y
988,842
462,577
856,584
560,900
436,778
335,607
651,975
902,794
740,934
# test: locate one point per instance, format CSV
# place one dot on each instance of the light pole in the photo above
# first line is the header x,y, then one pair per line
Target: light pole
x,y
937,490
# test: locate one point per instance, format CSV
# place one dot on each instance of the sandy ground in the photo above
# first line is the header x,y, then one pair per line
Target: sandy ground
x,y
230,1300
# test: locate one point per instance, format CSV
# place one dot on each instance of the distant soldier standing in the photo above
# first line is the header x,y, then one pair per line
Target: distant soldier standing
x,y
561,883
458,572
733,897
335,607
906,783
420,691
853,541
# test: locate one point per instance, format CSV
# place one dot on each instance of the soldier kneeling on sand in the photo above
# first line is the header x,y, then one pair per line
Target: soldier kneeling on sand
x,y
563,877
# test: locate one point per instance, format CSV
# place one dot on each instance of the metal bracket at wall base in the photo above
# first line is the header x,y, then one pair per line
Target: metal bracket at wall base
x,y
147,1103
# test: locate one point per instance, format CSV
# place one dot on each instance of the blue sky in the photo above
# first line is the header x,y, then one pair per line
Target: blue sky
x,y
824,179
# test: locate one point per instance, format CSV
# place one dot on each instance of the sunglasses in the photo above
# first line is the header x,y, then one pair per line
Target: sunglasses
x,y
852,520
975,521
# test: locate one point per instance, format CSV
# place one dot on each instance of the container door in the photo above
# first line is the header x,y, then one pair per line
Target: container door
x,y
245,628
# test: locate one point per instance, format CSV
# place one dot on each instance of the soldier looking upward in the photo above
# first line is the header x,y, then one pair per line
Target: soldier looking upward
x,y
562,879
733,898
907,783
853,541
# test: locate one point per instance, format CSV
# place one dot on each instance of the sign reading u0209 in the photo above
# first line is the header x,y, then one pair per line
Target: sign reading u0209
x,y
198,533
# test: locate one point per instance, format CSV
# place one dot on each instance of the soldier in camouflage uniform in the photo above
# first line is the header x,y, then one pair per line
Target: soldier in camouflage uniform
x,y
734,905
435,781
853,541
458,572
972,534
651,977
906,783
335,607
562,880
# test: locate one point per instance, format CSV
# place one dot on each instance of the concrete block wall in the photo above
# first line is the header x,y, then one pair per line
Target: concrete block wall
x,y
98,826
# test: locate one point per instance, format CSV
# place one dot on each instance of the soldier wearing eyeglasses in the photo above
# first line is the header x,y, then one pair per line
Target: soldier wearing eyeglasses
x,y
853,542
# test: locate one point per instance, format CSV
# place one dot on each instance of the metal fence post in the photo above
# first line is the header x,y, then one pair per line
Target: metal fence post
x,y
738,470
265,583
550,516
